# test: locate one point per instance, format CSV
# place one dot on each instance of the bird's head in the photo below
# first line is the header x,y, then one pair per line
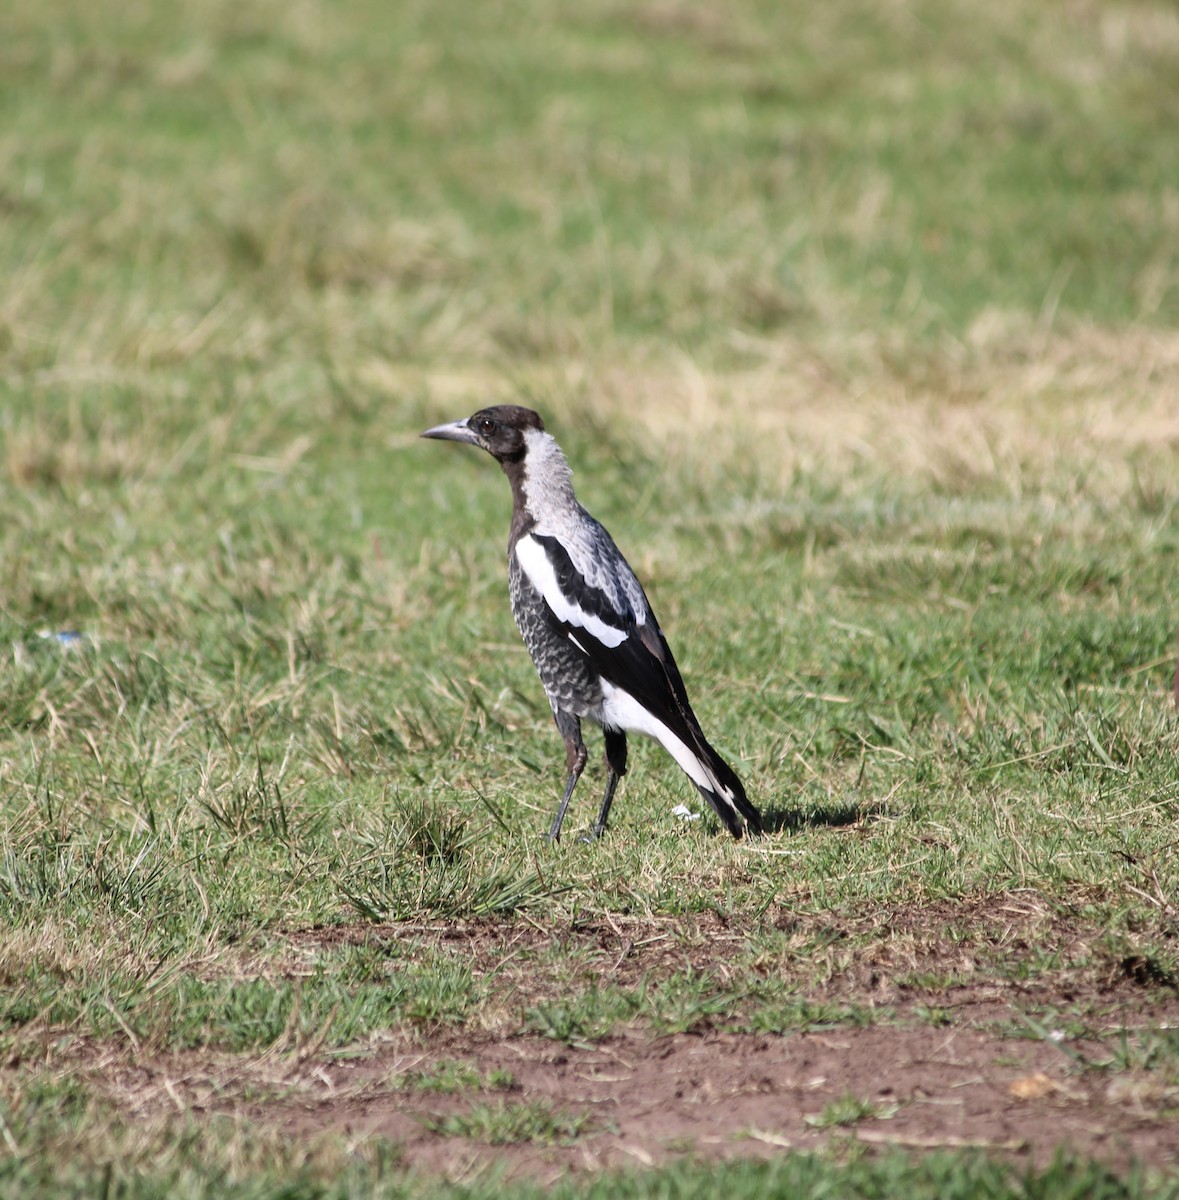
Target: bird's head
x,y
499,430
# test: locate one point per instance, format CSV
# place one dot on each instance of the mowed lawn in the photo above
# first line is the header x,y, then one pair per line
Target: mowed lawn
x,y
860,326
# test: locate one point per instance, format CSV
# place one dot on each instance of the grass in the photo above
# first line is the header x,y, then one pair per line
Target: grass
x,y
860,331
447,1078
850,1110
504,1124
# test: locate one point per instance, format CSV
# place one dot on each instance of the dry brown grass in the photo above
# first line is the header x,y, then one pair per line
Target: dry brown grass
x,y
1018,410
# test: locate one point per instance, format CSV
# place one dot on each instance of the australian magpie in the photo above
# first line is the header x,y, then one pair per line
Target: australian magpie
x,y
587,623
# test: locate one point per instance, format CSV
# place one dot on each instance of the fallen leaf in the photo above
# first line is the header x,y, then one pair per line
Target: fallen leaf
x,y
1033,1087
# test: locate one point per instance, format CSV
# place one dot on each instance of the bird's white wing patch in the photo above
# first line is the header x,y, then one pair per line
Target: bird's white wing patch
x,y
535,564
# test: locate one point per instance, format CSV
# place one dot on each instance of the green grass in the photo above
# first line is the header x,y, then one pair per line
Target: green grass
x,y
850,1110
859,326
447,1078
955,1176
501,1123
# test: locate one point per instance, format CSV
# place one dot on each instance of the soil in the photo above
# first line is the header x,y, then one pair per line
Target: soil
x,y
964,1050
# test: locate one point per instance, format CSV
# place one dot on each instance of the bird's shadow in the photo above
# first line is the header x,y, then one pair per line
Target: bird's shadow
x,y
815,816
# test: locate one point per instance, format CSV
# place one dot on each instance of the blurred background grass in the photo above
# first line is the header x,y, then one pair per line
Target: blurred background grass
x,y
250,247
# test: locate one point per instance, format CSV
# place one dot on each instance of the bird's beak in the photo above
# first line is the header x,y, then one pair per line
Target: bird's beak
x,y
456,431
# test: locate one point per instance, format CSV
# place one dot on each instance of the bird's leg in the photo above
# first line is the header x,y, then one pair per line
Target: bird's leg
x,y
615,769
575,756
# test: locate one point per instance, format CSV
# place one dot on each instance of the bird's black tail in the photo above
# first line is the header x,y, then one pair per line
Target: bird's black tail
x,y
724,791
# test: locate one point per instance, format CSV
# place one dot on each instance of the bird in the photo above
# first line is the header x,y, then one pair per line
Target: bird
x,y
588,624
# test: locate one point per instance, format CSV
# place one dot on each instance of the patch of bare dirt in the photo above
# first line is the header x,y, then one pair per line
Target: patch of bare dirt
x,y
997,1066
724,1095
714,1096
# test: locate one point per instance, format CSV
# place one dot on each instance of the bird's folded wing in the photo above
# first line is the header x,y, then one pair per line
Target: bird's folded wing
x,y
612,625
571,599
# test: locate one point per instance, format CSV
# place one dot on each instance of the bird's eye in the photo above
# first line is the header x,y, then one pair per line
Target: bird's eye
x,y
486,425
